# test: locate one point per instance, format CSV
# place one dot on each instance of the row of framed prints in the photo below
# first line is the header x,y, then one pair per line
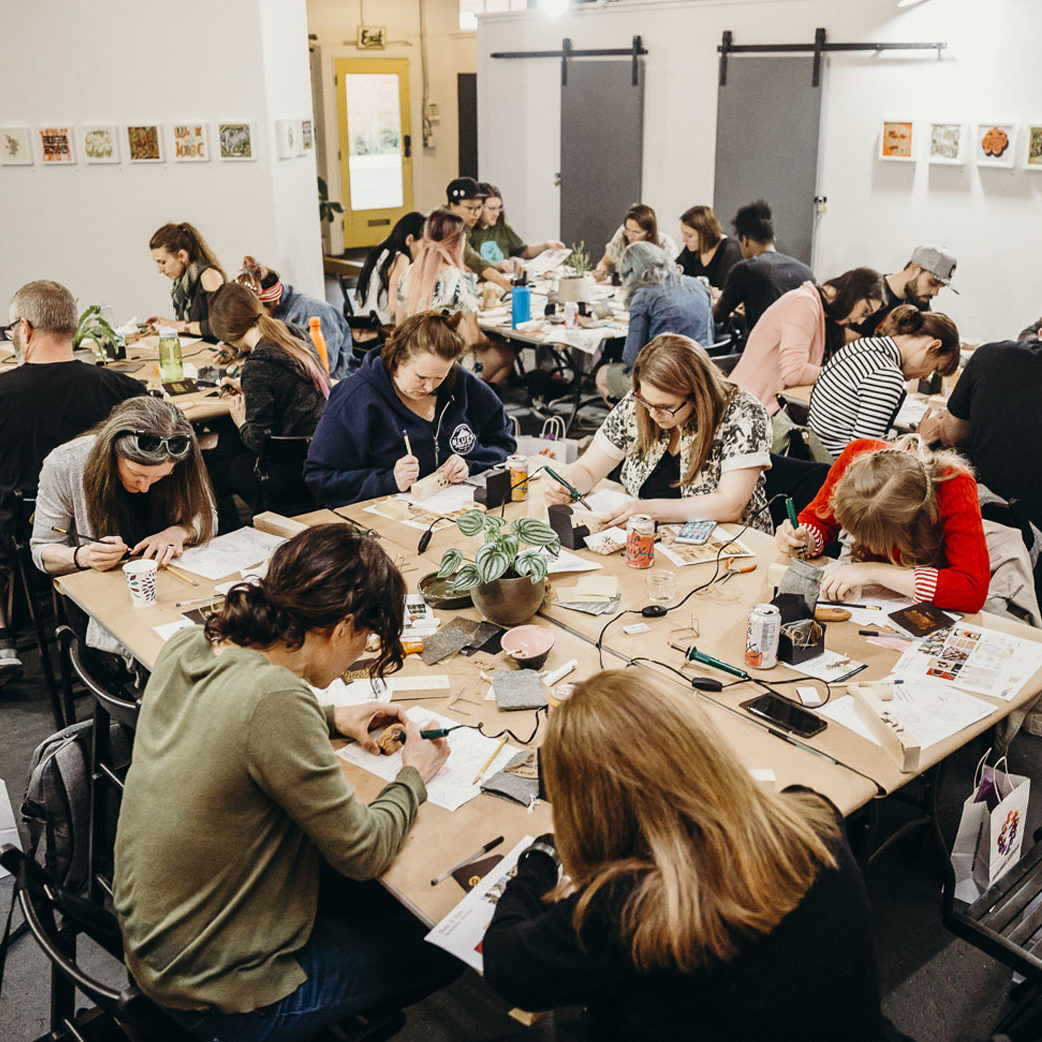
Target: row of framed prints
x,y
147,142
955,144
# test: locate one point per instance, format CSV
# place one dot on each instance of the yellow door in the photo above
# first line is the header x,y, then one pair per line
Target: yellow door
x,y
375,146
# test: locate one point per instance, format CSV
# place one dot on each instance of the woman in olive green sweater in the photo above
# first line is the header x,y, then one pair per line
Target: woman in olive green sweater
x,y
235,805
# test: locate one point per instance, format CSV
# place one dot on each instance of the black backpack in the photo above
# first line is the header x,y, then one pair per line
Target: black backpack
x,y
56,807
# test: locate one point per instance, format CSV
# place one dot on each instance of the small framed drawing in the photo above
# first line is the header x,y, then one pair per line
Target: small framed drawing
x,y
15,147
191,143
237,141
100,143
56,146
946,144
307,135
897,140
287,138
144,143
995,144
1033,157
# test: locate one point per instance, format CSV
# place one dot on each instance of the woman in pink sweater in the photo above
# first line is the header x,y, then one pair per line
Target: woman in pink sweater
x,y
801,329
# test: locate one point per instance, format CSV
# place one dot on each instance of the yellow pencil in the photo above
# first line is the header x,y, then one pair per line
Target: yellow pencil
x,y
408,446
181,575
488,762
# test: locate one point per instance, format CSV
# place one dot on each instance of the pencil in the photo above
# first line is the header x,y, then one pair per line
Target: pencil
x,y
488,762
185,578
408,446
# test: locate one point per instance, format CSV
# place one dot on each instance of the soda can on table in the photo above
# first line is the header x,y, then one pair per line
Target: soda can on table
x,y
640,541
518,467
571,314
761,637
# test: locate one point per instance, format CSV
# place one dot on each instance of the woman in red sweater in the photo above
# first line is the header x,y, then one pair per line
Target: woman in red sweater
x,y
915,519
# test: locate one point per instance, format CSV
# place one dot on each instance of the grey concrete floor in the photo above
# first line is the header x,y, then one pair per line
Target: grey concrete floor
x,y
936,988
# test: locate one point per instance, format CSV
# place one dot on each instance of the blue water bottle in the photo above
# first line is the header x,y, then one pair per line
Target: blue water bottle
x,y
520,305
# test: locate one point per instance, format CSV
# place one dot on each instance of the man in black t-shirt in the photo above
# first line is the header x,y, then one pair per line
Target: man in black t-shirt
x,y
993,416
47,400
763,274
930,269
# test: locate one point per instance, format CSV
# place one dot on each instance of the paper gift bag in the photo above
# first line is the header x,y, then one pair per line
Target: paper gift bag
x,y
991,830
551,441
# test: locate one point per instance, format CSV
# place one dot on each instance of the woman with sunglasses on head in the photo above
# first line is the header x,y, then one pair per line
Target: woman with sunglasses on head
x,y
245,865
182,255
678,897
693,446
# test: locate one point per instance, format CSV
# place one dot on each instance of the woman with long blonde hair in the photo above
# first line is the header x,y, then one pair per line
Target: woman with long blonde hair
x,y
693,446
691,901
914,516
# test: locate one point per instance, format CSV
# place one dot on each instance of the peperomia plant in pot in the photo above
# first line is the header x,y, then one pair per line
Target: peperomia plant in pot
x,y
506,582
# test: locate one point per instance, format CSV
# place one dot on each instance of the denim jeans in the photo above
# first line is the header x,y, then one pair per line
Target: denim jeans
x,y
365,951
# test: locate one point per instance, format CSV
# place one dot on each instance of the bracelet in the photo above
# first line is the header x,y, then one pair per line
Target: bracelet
x,y
75,560
542,848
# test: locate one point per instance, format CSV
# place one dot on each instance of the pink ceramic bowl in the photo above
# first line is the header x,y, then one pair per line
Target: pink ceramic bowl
x,y
528,646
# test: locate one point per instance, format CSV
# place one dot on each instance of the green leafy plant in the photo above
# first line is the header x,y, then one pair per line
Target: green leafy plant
x,y
327,208
500,555
578,260
92,326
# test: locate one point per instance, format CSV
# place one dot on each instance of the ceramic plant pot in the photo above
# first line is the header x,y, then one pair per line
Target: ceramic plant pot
x,y
573,288
508,602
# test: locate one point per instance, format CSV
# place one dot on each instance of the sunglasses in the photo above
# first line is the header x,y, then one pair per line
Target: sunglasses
x,y
659,408
177,445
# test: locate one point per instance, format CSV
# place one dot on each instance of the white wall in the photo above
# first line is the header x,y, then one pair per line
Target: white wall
x,y
449,52
117,62
877,211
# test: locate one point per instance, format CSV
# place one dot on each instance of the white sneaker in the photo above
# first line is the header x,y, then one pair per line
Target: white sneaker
x,y
10,663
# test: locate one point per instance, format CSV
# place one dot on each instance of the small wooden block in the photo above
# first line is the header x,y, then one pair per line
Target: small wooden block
x,y
278,524
900,746
823,614
394,508
429,486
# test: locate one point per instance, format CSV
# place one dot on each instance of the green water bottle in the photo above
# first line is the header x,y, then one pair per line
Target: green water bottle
x,y
170,368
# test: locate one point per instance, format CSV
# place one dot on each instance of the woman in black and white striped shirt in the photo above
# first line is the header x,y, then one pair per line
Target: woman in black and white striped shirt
x,y
861,388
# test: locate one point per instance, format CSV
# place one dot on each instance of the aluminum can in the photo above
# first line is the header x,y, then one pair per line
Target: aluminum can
x,y
640,541
518,467
761,637
571,314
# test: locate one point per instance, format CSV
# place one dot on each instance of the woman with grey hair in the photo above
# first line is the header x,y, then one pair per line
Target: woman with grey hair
x,y
660,300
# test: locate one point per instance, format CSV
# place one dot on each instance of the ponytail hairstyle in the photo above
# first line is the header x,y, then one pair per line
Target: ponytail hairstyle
x,y
887,500
444,236
316,580
234,309
907,320
394,244
434,332
174,237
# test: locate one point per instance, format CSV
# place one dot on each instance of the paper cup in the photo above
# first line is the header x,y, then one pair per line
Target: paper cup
x,y
141,579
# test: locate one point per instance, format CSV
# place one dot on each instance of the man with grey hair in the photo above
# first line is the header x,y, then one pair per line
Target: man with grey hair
x,y
48,399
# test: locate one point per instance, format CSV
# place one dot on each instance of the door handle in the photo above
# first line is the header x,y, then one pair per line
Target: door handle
x,y
407,140
557,179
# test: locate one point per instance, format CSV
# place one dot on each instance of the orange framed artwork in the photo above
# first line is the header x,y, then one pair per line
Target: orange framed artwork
x,y
897,140
995,144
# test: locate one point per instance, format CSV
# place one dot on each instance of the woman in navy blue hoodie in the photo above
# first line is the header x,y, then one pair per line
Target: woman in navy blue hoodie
x,y
413,386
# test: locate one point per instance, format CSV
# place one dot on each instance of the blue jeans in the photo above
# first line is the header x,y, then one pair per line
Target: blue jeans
x,y
365,951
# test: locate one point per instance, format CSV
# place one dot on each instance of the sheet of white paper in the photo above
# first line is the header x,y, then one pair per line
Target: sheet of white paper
x,y
421,517
883,602
565,561
546,261
912,410
461,932
229,553
8,828
454,784
828,666
356,693
168,629
841,711
449,500
607,501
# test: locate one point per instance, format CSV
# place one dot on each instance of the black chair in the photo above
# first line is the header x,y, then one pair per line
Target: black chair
x,y
26,574
367,331
280,475
107,771
725,363
799,479
1005,922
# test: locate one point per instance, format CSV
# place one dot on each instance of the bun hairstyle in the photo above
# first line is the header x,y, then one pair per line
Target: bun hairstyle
x,y
428,331
184,236
906,320
316,580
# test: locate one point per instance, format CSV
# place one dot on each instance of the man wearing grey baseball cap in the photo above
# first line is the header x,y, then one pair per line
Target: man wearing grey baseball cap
x,y
929,270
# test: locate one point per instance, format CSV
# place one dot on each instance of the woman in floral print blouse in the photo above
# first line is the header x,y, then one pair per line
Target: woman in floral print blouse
x,y
693,446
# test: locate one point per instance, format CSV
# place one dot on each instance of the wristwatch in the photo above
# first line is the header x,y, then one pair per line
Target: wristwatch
x,y
544,845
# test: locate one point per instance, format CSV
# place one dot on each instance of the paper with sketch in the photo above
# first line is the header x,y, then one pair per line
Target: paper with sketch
x,y
606,502
373,689
720,546
461,932
546,261
565,561
454,784
229,553
974,659
447,504
829,666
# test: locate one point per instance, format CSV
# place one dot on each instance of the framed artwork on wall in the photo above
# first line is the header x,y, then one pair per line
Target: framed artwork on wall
x,y
995,144
897,140
144,143
1033,154
237,141
191,143
15,147
100,143
946,144
307,135
56,146
287,138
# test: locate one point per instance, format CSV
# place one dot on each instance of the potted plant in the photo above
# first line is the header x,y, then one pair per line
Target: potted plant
x,y
507,583
573,284
94,328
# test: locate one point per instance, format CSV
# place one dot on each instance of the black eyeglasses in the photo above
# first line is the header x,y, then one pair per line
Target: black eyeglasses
x,y
659,408
177,445
8,330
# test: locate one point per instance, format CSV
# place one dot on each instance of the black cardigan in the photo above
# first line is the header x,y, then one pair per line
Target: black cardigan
x,y
814,977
